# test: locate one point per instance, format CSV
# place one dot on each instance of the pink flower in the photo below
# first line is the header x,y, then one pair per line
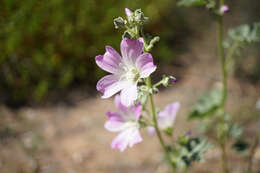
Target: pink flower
x,y
166,118
126,70
224,9
128,12
125,122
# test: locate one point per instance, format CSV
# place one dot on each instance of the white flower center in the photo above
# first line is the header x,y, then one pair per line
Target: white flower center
x,y
132,75
130,124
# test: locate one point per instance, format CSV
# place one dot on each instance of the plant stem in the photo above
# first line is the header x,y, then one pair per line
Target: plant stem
x,y
252,153
231,51
222,138
158,133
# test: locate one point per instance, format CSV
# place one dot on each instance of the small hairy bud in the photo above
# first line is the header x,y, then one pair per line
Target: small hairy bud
x,y
119,22
168,80
224,9
139,17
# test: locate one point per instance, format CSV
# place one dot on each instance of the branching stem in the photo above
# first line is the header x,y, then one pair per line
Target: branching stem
x,y
158,133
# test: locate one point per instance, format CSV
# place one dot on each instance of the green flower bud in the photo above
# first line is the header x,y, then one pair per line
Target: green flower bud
x,y
119,22
168,80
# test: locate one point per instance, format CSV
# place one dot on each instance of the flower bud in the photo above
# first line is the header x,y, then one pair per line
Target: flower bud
x,y
119,22
128,12
139,17
168,80
224,9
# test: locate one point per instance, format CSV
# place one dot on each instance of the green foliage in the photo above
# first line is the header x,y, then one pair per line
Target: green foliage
x,y
245,33
49,45
240,37
235,131
189,150
207,105
188,3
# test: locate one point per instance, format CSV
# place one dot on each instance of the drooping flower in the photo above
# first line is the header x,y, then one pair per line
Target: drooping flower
x,y
224,9
125,122
166,118
126,70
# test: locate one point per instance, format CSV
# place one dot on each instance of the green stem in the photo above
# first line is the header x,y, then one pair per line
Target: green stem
x,y
252,153
158,133
222,138
232,50
231,53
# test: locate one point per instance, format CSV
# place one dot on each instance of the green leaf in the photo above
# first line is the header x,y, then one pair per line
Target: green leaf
x,y
235,131
188,150
245,33
188,3
207,105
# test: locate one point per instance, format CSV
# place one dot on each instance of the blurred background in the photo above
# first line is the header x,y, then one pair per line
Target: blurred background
x,y
51,116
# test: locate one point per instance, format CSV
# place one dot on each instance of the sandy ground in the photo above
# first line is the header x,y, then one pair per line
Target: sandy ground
x,y
71,139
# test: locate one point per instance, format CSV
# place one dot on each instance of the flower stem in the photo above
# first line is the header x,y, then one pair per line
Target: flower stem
x,y
222,138
158,133
252,153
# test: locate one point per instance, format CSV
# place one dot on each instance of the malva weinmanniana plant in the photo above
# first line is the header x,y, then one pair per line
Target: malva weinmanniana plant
x,y
130,75
130,82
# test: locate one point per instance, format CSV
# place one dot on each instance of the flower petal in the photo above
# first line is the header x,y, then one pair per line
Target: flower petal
x,y
131,49
134,137
145,64
119,105
172,110
151,130
129,95
114,123
127,137
128,12
109,61
167,117
105,82
113,88
120,141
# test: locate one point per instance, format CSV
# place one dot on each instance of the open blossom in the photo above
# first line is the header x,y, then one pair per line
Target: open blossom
x,y
125,122
166,118
126,70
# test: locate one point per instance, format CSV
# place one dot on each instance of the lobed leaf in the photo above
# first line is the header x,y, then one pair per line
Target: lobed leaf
x,y
245,33
207,105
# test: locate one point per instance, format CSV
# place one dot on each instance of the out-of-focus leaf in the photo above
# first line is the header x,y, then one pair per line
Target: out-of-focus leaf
x,y
207,104
235,131
211,4
242,36
245,33
189,150
188,3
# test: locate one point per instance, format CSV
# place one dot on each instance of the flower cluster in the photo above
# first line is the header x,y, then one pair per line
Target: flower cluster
x,y
133,66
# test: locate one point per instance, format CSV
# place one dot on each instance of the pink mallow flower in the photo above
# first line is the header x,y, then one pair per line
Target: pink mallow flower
x,y
125,122
166,118
224,9
126,70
